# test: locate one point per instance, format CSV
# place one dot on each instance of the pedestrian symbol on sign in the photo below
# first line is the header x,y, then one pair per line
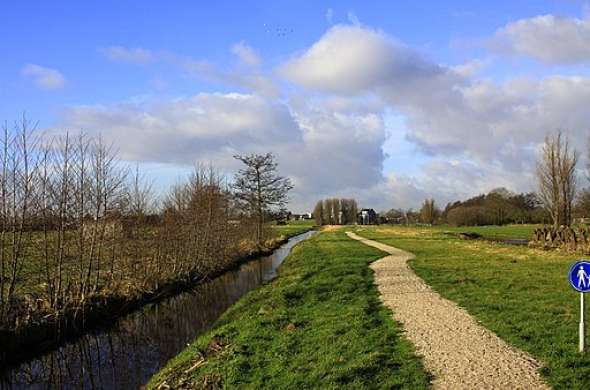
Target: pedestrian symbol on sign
x,y
580,276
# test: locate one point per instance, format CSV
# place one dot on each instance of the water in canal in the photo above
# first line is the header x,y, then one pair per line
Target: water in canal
x,y
127,354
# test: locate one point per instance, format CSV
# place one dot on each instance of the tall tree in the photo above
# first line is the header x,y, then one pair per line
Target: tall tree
x,y
556,174
583,203
318,213
429,212
260,188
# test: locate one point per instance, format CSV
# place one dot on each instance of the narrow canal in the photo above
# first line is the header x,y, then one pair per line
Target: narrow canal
x,y
127,354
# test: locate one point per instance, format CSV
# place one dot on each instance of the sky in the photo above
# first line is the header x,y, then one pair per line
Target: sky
x,y
386,102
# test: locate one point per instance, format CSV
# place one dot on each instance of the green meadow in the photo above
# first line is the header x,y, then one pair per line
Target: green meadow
x,y
320,324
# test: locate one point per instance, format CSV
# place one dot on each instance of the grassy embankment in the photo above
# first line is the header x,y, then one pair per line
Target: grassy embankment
x,y
293,228
521,294
319,325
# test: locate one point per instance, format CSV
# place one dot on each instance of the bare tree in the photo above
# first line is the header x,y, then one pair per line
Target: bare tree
x,y
556,175
429,212
260,188
140,194
335,211
327,211
318,213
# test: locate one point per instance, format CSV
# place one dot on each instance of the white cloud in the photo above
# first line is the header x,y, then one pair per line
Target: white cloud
x,y
189,129
353,19
330,16
493,129
250,79
353,60
470,68
246,53
448,112
44,78
547,38
124,54
322,150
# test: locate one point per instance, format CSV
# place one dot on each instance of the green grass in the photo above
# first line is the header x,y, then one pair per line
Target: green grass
x,y
490,232
293,228
521,294
495,232
319,325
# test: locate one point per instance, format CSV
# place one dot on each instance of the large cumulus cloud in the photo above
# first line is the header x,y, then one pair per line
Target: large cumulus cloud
x,y
449,114
322,149
547,38
354,59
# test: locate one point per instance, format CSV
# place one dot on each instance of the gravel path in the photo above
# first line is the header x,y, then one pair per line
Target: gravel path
x,y
456,350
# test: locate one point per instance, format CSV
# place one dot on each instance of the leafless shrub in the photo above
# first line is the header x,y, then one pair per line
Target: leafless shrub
x,y
77,226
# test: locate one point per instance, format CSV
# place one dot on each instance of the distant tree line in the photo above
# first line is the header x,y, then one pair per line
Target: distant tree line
x,y
498,207
334,211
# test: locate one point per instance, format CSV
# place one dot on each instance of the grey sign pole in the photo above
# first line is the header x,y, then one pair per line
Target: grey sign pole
x,y
582,324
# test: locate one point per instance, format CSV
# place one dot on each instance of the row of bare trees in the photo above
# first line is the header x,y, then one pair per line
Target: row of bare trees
x,y
334,211
78,227
56,197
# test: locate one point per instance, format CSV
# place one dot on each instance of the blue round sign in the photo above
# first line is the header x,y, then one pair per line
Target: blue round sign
x,y
579,276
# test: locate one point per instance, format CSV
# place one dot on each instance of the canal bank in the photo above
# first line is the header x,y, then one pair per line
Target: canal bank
x,y
126,353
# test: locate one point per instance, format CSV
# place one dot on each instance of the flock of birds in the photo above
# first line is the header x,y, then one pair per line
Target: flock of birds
x,y
278,31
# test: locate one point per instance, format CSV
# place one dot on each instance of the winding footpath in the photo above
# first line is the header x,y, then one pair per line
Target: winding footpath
x,y
456,350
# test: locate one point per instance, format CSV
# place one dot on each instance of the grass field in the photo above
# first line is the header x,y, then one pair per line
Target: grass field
x,y
521,294
319,325
494,232
293,228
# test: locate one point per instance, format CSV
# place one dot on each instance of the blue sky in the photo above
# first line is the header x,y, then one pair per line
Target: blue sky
x,y
66,35
116,68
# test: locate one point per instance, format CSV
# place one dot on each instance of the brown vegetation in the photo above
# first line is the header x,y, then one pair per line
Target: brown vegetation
x,y
78,231
429,213
499,207
564,238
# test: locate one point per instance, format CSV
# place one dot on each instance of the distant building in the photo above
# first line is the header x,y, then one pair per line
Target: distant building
x,y
300,217
367,217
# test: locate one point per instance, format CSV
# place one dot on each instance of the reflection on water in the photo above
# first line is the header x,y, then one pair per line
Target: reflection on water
x,y
126,355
